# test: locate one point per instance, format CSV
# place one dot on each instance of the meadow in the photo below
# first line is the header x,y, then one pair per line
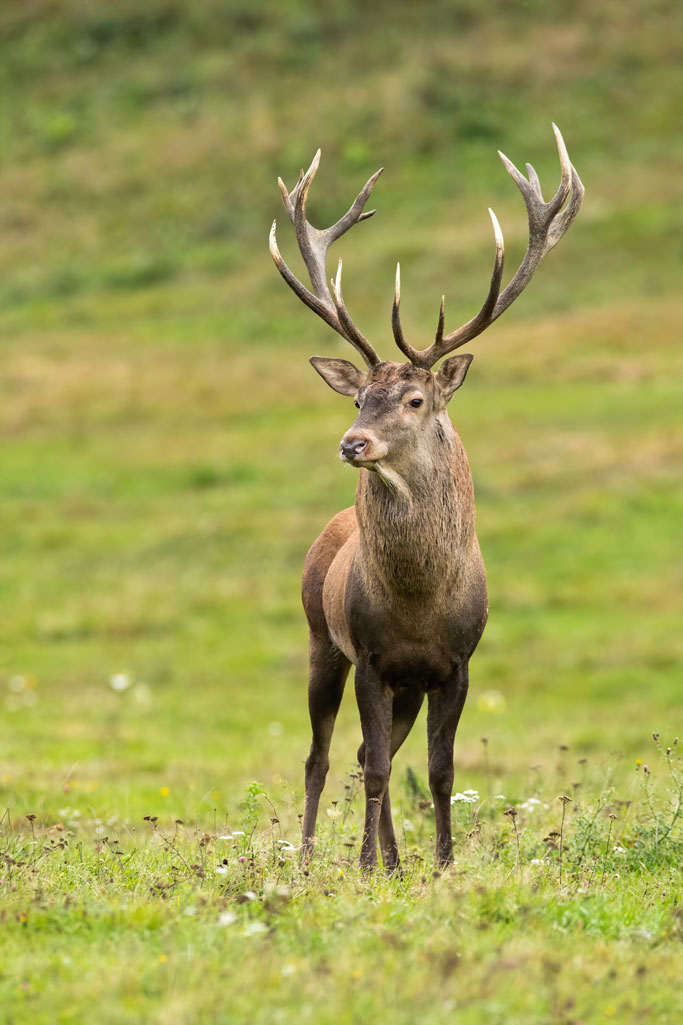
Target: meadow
x,y
168,455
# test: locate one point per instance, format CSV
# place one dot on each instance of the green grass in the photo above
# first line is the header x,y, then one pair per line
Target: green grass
x,y
169,455
565,911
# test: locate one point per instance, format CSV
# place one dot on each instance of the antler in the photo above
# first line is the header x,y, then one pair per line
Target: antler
x,y
547,225
313,245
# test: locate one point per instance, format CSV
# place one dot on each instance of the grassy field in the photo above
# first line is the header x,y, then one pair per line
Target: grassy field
x,y
169,455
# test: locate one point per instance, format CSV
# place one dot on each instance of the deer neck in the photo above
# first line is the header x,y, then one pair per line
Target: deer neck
x,y
416,519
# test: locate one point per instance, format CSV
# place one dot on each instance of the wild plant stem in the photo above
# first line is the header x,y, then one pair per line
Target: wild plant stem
x,y
565,802
604,859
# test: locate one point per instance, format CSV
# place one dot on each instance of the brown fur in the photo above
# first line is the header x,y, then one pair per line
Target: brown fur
x,y
396,587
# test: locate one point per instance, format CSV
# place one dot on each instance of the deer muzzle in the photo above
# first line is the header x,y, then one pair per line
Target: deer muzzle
x,y
360,448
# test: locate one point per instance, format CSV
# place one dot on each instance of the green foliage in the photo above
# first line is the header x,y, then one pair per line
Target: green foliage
x,y
168,456
116,909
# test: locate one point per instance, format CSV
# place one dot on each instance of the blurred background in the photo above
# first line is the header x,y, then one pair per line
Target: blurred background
x,y
168,455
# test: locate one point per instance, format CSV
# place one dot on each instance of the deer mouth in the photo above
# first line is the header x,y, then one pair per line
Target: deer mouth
x,y
360,461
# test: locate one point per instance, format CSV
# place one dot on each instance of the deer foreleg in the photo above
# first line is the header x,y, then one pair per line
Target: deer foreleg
x,y
328,672
375,700
406,705
445,707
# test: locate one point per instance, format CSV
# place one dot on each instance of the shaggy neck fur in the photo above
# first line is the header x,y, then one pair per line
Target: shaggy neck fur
x,y
417,519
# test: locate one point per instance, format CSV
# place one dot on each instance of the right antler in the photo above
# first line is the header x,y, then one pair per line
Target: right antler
x,y
313,245
547,225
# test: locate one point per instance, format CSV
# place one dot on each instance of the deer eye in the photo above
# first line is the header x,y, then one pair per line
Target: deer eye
x,y
357,404
416,402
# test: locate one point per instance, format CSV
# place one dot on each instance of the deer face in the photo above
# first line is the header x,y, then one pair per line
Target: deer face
x,y
399,404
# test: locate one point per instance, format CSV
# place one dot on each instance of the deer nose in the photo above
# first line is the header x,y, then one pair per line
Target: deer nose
x,y
353,445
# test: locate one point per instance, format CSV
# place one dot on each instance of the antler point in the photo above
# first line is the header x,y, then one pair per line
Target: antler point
x,y
496,229
336,284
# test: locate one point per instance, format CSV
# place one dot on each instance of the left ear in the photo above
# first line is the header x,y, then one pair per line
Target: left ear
x,y
452,373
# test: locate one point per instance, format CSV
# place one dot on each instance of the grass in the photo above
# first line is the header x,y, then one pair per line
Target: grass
x,y
137,916
168,456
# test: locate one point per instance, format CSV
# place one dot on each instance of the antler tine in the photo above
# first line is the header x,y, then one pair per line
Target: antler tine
x,y
447,343
313,245
352,334
548,222
533,181
312,301
477,324
442,319
413,354
355,213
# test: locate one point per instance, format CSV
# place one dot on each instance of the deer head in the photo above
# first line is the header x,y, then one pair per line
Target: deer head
x,y
398,402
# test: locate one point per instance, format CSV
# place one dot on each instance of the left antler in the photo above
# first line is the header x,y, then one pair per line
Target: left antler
x,y
313,245
547,224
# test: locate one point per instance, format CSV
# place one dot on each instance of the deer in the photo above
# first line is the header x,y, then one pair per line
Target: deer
x,y
395,585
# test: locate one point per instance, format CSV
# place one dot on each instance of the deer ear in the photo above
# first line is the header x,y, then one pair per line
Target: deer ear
x,y
341,375
452,373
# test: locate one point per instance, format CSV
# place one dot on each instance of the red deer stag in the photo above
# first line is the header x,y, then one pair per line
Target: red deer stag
x,y
396,584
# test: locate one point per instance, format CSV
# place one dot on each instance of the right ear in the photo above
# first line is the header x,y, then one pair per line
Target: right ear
x,y
341,375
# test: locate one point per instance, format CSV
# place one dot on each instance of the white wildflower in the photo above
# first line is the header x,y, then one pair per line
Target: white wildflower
x,y
468,797
253,928
120,682
531,803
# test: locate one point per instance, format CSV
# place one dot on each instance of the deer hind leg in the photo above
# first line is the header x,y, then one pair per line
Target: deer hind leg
x,y
406,706
445,707
327,676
